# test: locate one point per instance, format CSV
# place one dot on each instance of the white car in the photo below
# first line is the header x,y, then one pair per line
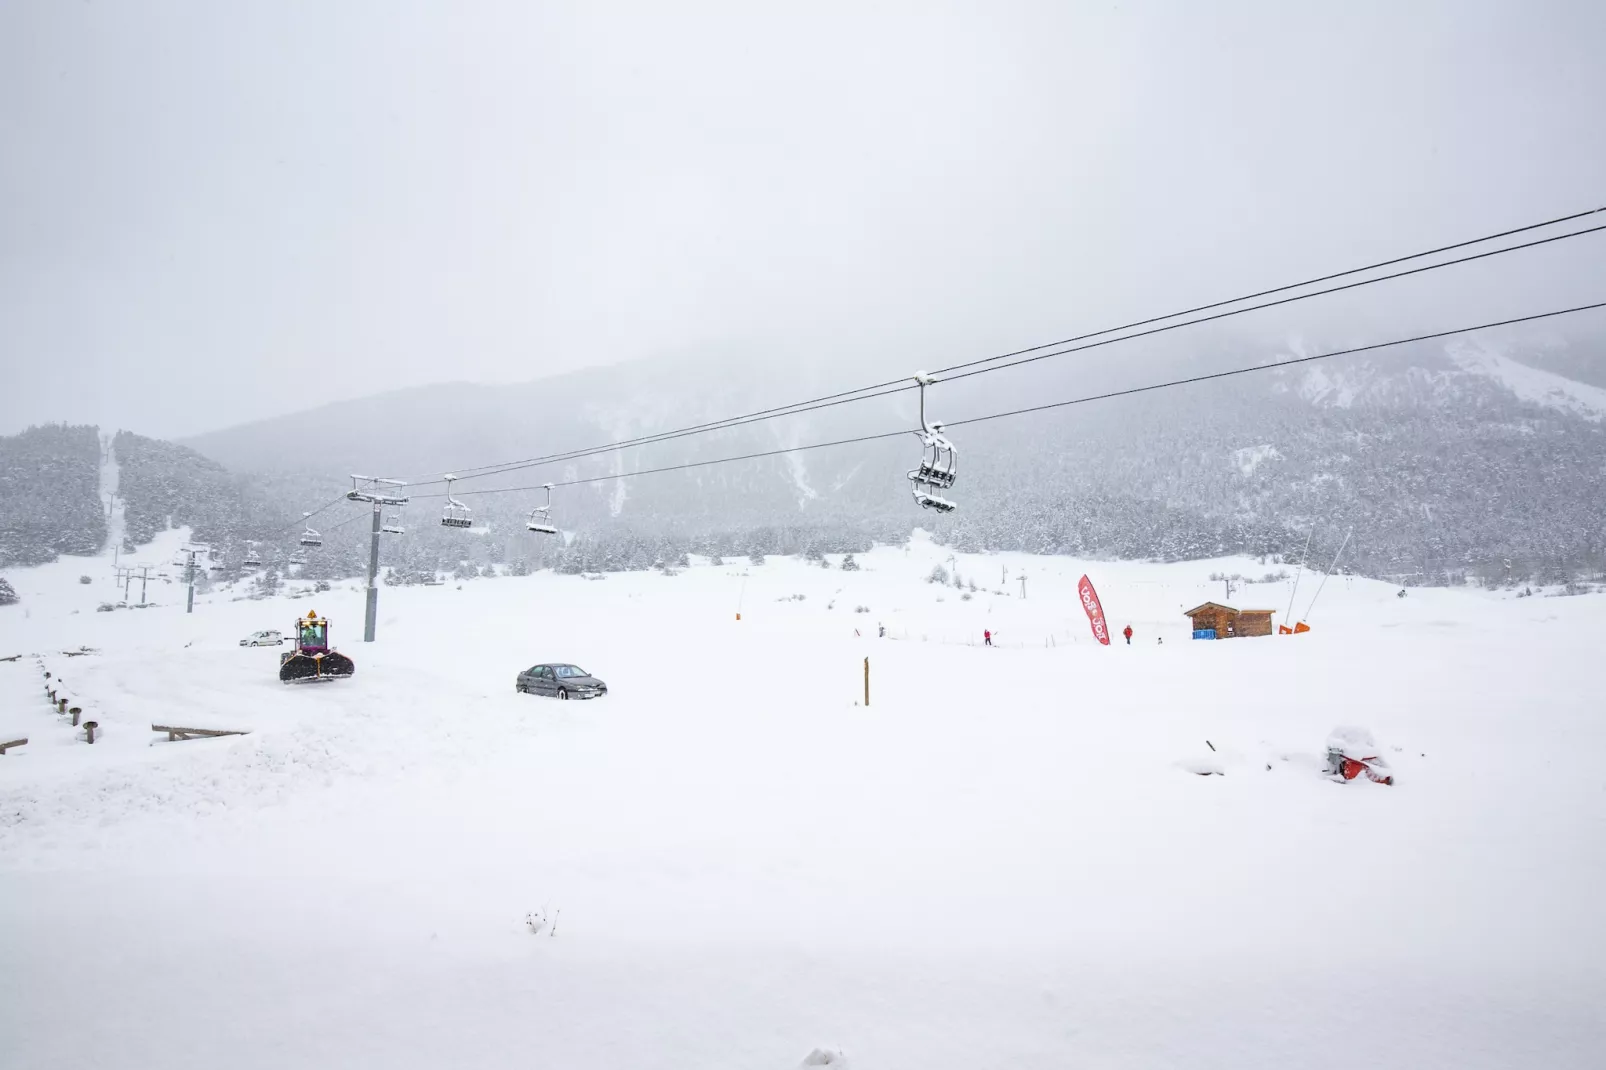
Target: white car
x,y
268,638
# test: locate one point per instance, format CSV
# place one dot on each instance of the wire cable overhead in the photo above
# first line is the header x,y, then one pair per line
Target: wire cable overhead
x,y
1065,346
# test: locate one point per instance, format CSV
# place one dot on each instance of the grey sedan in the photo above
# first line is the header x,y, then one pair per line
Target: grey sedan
x,y
560,680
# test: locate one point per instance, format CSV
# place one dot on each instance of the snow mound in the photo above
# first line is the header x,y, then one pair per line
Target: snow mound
x,y
1352,742
1203,766
824,1057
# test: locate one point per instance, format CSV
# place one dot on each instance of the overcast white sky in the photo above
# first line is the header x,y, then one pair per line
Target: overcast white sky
x,y
216,211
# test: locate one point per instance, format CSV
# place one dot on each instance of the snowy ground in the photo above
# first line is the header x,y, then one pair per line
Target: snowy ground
x,y
1003,861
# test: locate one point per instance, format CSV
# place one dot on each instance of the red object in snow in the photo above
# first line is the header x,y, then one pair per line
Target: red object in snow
x,y
1352,751
1095,612
1352,768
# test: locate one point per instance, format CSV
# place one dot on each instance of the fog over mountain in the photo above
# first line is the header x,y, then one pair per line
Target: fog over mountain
x,y
300,204
1447,459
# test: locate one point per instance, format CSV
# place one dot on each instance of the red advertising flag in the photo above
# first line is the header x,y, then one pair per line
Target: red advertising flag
x,y
1095,612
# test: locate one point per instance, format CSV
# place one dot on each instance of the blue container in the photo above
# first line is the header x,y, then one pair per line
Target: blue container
x,y
1204,633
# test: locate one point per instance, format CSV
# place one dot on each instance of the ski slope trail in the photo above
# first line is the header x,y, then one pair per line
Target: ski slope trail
x,y
1007,859
110,478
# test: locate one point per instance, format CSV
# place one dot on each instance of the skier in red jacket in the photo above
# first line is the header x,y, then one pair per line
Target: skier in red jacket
x,y
1127,631
987,637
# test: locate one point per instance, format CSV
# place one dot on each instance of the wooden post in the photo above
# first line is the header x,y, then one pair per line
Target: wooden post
x,y
867,681
61,705
12,743
75,711
89,729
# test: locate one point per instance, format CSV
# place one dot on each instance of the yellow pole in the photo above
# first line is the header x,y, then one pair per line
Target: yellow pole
x,y
867,681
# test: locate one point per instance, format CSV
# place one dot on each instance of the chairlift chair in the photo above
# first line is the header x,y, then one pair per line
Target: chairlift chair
x,y
541,516
393,524
252,559
310,537
456,514
939,460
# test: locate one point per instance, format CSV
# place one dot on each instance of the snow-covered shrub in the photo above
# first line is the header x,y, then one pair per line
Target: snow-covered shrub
x,y
756,558
861,609
967,596
85,579
849,564
8,594
716,560
938,574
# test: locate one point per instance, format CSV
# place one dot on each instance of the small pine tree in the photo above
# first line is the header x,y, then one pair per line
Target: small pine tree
x,y
755,558
938,575
849,564
8,594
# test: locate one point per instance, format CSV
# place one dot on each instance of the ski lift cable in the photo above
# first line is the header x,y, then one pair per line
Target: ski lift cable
x,y
1268,304
325,507
1056,404
1297,285
975,367
1289,362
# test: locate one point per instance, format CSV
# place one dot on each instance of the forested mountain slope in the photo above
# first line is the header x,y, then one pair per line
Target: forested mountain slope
x,y
50,494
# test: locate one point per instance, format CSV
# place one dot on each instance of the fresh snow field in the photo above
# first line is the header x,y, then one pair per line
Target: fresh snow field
x,y
1006,860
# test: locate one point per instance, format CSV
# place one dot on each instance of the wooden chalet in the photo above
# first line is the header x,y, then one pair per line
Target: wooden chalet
x,y
1216,621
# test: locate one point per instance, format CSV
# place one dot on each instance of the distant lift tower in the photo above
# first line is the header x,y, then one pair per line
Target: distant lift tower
x,y
382,494
190,553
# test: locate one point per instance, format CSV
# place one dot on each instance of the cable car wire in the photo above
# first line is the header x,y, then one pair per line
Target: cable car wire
x,y
1255,308
1147,388
975,367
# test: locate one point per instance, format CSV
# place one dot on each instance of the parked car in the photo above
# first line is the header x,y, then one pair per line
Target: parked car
x,y
267,638
560,680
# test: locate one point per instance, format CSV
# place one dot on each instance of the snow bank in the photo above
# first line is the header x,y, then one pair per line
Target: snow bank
x,y
1003,860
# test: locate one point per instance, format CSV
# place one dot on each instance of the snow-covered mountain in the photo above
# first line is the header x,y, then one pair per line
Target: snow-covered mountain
x,y
1446,459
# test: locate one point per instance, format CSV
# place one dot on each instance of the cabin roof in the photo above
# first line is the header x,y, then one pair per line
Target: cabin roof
x,y
1217,605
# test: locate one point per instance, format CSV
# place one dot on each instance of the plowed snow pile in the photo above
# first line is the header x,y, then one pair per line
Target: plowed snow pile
x,y
1015,857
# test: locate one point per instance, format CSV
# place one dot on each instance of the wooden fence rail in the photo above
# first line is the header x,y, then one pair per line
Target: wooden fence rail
x,y
175,733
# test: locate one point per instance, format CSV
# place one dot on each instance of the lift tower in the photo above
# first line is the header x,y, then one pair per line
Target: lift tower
x,y
381,494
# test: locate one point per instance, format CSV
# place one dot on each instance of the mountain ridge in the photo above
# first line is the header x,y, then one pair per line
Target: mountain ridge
x,y
1446,460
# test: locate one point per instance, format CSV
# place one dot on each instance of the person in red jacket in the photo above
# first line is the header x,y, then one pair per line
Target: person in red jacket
x,y
1128,633
987,637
